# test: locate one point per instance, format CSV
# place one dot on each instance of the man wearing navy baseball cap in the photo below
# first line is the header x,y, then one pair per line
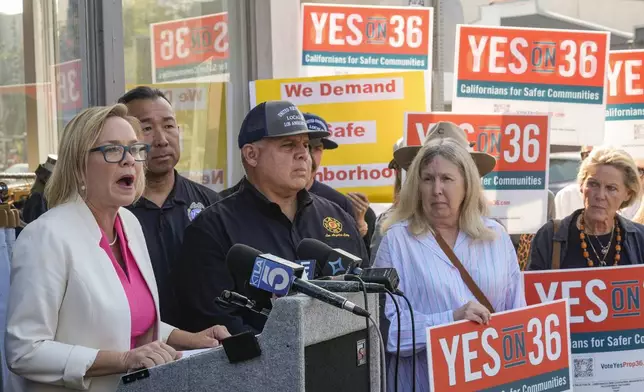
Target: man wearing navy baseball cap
x,y
271,211
355,203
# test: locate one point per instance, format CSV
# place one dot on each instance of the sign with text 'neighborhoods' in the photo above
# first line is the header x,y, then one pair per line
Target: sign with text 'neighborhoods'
x,y
517,188
364,113
376,37
525,70
191,49
606,322
200,109
625,101
526,349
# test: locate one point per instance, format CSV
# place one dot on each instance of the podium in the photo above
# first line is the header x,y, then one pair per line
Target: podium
x,y
306,345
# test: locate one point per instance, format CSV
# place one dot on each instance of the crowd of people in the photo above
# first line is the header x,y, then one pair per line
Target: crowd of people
x,y
120,268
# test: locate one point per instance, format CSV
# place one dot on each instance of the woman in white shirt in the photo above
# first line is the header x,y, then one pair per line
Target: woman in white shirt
x,y
83,303
443,198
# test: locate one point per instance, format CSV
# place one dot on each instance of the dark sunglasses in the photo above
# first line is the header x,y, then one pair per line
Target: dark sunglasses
x,y
115,153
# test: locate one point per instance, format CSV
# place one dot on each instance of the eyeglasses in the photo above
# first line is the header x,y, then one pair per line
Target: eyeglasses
x,y
115,153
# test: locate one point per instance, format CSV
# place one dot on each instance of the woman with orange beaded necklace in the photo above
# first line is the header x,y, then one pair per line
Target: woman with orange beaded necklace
x,y
596,235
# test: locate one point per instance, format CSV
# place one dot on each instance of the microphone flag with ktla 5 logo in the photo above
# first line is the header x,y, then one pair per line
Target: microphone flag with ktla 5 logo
x,y
277,276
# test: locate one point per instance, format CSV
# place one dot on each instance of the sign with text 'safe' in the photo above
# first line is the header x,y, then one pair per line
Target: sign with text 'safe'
x,y
190,49
365,115
606,322
525,349
200,110
517,188
525,70
625,101
368,37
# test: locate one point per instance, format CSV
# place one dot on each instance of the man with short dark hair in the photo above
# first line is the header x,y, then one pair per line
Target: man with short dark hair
x,y
170,201
271,211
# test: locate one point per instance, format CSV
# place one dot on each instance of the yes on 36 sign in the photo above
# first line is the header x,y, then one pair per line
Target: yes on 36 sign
x,y
523,70
625,109
352,36
527,349
606,322
517,188
191,49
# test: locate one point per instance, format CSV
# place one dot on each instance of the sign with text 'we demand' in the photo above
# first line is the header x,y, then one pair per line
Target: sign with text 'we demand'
x,y
625,109
526,350
516,189
530,71
606,322
364,113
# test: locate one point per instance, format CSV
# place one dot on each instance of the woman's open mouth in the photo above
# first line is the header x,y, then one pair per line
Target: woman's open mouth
x,y
126,181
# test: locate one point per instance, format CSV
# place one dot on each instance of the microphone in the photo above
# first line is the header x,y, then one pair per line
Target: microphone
x,y
231,298
278,276
340,286
331,262
313,249
237,299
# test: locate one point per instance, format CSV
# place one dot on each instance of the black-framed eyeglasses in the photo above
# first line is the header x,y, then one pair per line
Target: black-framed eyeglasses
x,y
115,153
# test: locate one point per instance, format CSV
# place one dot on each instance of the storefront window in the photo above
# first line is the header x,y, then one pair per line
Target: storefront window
x,y
183,48
41,74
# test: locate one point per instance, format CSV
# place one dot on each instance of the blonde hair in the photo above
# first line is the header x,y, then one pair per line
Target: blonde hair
x,y
79,136
474,206
618,159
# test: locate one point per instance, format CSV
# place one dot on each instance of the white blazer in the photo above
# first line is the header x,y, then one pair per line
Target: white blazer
x,y
66,301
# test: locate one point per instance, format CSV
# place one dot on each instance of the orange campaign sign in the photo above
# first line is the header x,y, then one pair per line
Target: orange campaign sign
x,y
517,187
625,101
190,48
528,70
526,349
367,36
606,321
69,86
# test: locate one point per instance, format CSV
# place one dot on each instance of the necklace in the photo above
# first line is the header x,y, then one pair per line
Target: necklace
x,y
116,237
584,245
604,249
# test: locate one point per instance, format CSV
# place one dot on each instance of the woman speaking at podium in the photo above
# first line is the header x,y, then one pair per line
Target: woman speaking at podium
x,y
83,303
454,263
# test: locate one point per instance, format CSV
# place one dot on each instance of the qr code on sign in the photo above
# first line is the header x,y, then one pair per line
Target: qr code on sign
x,y
638,131
584,367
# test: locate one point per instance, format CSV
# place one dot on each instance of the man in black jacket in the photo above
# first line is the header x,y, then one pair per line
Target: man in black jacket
x,y
170,201
271,211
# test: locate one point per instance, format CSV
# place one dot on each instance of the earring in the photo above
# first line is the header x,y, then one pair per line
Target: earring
x,y
82,188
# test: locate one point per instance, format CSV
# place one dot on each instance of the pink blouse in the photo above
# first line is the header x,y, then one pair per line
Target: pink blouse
x,y
142,309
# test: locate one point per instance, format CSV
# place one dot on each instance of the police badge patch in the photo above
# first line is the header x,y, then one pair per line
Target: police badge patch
x,y
194,210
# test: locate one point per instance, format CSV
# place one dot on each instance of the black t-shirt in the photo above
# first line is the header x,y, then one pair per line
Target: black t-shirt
x,y
163,228
248,217
574,254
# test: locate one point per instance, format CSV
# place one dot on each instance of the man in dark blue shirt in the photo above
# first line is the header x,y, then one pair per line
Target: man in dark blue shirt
x,y
170,201
271,211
